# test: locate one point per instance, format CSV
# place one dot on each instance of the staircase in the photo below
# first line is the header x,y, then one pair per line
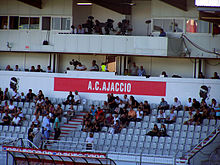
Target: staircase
x,y
74,124
202,144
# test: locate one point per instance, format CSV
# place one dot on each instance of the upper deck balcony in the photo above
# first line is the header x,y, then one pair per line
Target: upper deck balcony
x,y
32,41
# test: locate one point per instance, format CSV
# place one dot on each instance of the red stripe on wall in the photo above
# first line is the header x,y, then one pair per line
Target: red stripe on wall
x,y
149,88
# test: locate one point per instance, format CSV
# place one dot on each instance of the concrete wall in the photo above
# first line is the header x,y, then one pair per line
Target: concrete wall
x,y
49,7
181,88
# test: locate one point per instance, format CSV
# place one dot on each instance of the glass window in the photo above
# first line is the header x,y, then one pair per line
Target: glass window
x,y
46,21
13,22
169,25
34,22
56,23
65,23
197,26
24,23
3,22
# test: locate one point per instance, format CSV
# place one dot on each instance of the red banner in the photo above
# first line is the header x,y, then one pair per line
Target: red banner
x,y
150,88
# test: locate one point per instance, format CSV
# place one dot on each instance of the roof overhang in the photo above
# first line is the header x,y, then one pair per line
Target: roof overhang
x,y
35,3
180,4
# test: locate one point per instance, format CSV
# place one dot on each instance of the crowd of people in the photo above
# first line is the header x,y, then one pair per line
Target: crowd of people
x,y
32,69
97,27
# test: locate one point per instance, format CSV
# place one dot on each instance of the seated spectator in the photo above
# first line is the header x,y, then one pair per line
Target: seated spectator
x,y
6,119
124,118
212,114
139,115
163,105
162,33
40,101
47,101
190,118
36,121
73,30
88,127
80,67
30,96
16,96
105,107
69,99
203,104
116,127
177,104
188,104
109,120
93,110
154,131
39,69
77,99
195,104
133,103
205,113
111,102
96,127
94,66
17,68
20,114
146,109
70,113
49,69
11,105
40,95
132,115
163,131
197,118
201,75
32,69
121,105
86,118
164,74
217,110
161,117
31,133
214,104
16,120
216,76
80,30
89,141
1,95
46,127
134,69
141,71
115,118
171,118
6,95
8,68
125,100
58,111
117,100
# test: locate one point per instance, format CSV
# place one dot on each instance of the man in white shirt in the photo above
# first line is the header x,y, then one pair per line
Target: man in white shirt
x,y
16,96
46,126
80,67
161,117
139,115
16,120
188,104
125,100
171,118
89,141
177,104
77,99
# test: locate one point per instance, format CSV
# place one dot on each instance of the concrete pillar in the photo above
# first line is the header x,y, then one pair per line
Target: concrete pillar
x,y
122,64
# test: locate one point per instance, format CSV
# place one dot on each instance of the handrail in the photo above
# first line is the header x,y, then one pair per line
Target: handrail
x,y
202,144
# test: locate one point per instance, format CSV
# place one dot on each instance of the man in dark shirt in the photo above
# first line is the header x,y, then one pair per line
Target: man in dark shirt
x,y
197,118
6,119
111,102
30,96
195,104
69,99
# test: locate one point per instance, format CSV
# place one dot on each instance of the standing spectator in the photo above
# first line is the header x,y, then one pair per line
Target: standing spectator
x,y
134,69
94,67
163,105
17,68
46,127
31,134
16,96
30,96
56,127
188,104
177,104
141,71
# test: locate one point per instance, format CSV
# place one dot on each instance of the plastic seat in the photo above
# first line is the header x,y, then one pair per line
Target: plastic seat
x,y
138,125
181,147
183,134
212,122
146,118
187,148
5,128
153,119
96,135
167,140
176,134
160,146
132,124
134,144
171,127
102,135
128,138
148,139
170,133
190,135
84,134
211,129
136,131
191,128
115,136
179,120
130,131
107,142
177,127
122,137
104,129
196,135
153,145
134,138
195,142
123,131
155,139
180,113
11,129
114,143
141,138
140,145
167,146
203,136
26,104
197,128
109,136
127,144
144,125
173,147
182,141
204,129
184,128
69,139
154,112
143,132
188,141
175,140
205,122
125,150
161,139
